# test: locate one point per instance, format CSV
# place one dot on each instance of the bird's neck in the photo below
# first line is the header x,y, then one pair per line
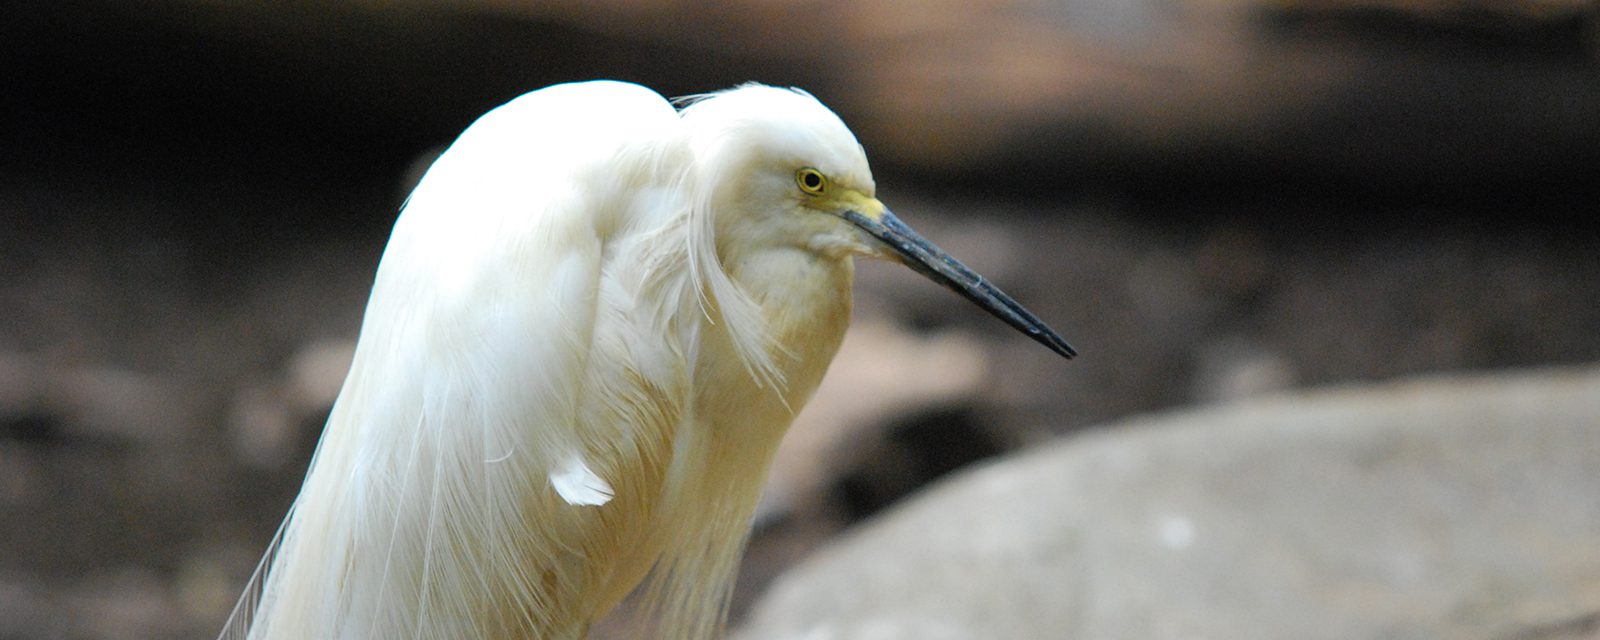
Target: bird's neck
x,y
805,302
722,464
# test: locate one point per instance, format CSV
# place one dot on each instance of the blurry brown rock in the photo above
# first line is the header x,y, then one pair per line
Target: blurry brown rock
x,y
1459,507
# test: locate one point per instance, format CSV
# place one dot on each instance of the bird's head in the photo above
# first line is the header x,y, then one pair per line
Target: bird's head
x,y
781,169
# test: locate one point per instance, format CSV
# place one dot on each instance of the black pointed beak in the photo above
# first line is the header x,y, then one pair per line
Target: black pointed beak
x,y
929,260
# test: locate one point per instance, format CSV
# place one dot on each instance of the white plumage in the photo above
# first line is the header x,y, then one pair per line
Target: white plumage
x,y
593,322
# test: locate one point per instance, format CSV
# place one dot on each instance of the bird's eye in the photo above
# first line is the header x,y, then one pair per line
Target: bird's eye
x,y
811,181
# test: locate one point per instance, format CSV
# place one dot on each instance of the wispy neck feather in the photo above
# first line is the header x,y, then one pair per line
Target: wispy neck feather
x,y
721,298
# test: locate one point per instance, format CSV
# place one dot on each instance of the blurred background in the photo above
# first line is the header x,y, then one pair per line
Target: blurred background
x,y
1212,199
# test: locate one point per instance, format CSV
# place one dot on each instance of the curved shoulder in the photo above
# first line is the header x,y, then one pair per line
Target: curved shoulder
x,y
541,176
564,128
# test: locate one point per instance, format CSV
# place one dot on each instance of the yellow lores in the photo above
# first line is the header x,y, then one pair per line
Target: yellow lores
x,y
595,319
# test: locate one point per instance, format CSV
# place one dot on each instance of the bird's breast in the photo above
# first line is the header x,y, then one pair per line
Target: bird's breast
x,y
805,300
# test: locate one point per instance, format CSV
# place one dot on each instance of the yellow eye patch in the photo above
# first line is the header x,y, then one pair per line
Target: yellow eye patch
x,y
811,181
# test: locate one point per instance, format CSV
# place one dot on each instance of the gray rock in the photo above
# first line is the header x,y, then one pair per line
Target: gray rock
x,y
1438,508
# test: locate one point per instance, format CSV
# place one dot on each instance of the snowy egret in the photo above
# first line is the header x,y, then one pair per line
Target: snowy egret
x,y
594,320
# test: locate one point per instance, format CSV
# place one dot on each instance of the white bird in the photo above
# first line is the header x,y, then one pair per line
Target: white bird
x,y
593,322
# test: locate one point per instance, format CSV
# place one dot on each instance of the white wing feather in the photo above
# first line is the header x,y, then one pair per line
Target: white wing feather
x,y
579,485
457,486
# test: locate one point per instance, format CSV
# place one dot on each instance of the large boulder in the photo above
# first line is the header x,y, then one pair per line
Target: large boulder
x,y
1439,508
